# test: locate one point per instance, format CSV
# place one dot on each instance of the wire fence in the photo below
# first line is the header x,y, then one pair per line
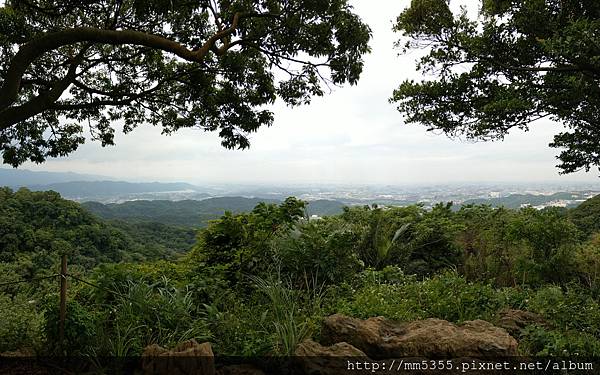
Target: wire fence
x,y
63,277
66,275
29,280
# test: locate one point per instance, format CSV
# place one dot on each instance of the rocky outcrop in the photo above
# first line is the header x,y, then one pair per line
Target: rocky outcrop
x,y
187,358
245,369
19,353
309,348
514,321
352,344
314,358
432,338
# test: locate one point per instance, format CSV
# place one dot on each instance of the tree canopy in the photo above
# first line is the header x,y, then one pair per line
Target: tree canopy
x,y
518,62
212,64
587,215
36,227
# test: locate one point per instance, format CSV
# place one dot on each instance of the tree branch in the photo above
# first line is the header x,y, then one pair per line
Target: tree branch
x,y
50,41
13,115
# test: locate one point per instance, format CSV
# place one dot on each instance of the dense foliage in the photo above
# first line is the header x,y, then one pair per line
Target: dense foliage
x,y
259,282
193,213
213,65
587,215
37,227
517,62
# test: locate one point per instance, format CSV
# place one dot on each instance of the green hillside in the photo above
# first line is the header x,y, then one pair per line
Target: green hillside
x,y
194,213
40,225
518,200
267,267
587,215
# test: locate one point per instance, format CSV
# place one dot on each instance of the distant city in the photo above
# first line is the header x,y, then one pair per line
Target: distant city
x,y
84,188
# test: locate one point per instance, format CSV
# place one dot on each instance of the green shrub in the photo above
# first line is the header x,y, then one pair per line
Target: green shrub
x,y
324,250
21,324
587,259
538,341
417,240
525,247
288,330
159,313
569,309
239,243
447,296
80,329
241,330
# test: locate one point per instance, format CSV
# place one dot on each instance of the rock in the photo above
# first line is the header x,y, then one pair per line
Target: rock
x,y
513,321
19,353
244,369
309,348
187,358
313,358
432,338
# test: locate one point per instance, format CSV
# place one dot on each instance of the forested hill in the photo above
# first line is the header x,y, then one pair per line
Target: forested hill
x,y
518,200
36,226
194,213
587,215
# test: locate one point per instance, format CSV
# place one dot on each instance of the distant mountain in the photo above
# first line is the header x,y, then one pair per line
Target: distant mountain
x,y
193,213
569,199
91,190
82,187
15,178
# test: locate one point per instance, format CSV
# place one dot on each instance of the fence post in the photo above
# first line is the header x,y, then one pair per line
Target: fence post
x,y
63,300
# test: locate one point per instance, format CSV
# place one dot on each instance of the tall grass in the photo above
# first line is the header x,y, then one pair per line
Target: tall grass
x,y
291,318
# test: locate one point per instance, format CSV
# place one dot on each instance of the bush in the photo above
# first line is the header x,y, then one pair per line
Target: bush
x,y
21,327
113,277
239,243
289,325
447,296
80,329
587,259
569,309
538,341
144,314
323,250
241,330
417,240
526,247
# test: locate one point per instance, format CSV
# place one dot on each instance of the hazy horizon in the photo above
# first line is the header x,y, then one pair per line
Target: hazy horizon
x,y
352,136
78,177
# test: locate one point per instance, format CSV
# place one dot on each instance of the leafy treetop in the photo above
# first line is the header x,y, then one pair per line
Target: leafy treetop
x,y
209,64
520,61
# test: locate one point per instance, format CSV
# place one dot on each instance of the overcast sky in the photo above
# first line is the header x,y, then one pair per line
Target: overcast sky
x,y
350,136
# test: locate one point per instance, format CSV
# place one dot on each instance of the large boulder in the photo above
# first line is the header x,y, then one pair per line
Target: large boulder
x,y
314,358
514,321
243,369
432,338
187,358
310,348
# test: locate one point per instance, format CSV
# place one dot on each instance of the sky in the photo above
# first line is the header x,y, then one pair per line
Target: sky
x,y
351,136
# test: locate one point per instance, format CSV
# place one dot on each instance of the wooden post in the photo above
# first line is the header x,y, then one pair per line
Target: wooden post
x,y
63,300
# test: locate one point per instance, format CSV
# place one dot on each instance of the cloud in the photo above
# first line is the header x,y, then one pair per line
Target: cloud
x,y
353,135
